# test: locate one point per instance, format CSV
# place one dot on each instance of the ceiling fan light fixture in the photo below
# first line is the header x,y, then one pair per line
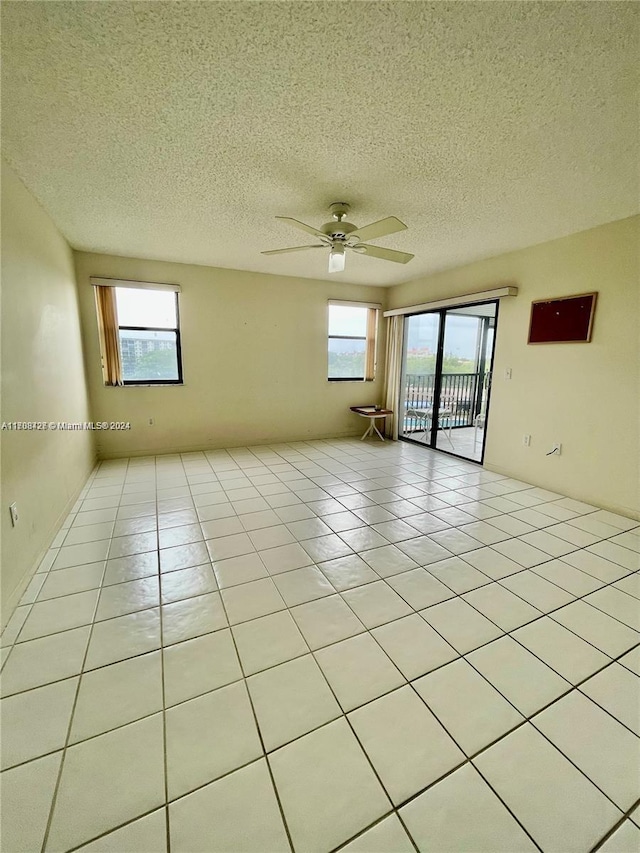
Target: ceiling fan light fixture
x,y
337,257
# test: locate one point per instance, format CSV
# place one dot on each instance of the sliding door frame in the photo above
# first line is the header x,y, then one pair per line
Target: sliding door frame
x,y
437,387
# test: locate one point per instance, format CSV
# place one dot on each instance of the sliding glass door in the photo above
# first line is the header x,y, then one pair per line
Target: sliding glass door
x,y
446,378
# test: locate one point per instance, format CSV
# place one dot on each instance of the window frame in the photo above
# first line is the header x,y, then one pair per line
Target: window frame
x,y
180,379
371,342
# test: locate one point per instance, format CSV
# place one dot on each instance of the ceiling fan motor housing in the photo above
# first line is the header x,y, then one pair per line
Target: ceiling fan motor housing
x,y
338,230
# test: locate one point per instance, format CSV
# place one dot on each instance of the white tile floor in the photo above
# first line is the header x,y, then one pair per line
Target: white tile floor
x,y
324,645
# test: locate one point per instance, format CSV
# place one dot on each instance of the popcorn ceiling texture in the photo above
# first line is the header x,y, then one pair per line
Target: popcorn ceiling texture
x,y
177,131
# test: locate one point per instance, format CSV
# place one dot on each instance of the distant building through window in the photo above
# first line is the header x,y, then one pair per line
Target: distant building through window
x,y
149,336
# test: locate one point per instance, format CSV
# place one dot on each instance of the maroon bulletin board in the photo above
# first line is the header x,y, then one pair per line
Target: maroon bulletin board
x,y
565,320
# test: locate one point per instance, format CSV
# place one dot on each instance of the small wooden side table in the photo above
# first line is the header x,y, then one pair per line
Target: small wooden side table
x,y
372,413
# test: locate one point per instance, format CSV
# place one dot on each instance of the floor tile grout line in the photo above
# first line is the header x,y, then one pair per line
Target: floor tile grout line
x,y
611,660
17,637
56,790
468,761
595,509
549,612
407,683
507,807
165,760
108,832
460,555
455,595
572,687
392,812
364,704
509,633
542,615
572,762
259,730
596,702
345,713
172,645
625,817
568,604
529,718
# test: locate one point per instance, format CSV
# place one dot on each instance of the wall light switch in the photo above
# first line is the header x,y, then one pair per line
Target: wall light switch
x,y
507,373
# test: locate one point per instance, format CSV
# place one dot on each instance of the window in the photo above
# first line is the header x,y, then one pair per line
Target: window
x,y
352,341
149,336
139,333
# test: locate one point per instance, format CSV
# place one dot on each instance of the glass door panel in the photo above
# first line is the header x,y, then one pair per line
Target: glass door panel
x,y
417,388
466,358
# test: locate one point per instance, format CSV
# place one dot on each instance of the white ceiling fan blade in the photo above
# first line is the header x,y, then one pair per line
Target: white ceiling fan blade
x,y
294,249
378,229
384,254
308,228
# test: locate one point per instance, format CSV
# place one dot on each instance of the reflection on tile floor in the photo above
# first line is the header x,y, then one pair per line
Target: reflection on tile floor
x,y
323,645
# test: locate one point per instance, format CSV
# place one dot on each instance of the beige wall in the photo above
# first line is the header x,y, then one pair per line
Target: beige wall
x,y
254,351
42,380
585,396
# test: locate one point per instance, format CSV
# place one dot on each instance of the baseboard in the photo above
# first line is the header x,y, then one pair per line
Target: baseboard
x,y
619,509
11,601
199,448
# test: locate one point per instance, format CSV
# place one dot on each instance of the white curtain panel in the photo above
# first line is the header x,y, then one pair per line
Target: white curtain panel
x,y
393,371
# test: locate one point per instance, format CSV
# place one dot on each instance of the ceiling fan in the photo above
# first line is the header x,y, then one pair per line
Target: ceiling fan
x,y
338,236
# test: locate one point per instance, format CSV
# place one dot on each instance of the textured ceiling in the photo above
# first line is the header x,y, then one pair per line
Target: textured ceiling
x,y
179,130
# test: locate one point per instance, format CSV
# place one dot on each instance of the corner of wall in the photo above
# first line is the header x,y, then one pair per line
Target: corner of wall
x,y
43,382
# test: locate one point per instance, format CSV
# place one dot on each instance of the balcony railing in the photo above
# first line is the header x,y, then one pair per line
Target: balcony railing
x,y
459,395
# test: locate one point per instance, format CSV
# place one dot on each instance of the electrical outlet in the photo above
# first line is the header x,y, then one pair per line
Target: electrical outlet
x,y
526,440
556,449
13,509
150,421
